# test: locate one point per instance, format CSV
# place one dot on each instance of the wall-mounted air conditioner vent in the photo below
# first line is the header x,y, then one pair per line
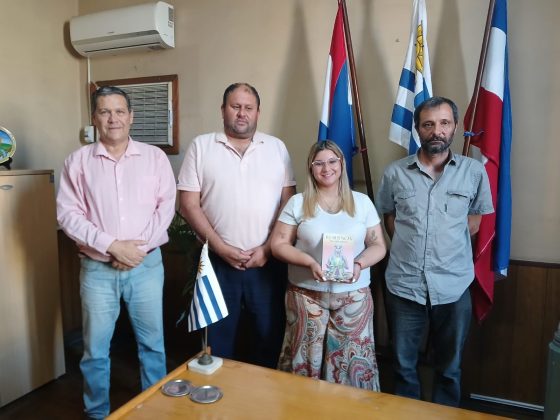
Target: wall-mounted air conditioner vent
x,y
148,26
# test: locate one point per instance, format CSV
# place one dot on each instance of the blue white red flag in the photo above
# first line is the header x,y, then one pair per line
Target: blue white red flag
x,y
415,84
337,116
208,305
493,123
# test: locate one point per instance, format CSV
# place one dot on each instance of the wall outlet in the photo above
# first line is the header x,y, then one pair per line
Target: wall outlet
x,y
89,134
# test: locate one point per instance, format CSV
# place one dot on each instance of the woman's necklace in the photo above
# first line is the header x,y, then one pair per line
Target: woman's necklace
x,y
331,207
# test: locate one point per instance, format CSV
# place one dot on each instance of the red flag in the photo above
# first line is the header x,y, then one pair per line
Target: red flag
x,y
492,123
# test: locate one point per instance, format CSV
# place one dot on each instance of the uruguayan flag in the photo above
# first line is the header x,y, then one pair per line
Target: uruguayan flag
x,y
415,85
208,305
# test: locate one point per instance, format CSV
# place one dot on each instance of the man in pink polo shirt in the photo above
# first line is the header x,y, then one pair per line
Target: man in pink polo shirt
x,y
116,200
233,184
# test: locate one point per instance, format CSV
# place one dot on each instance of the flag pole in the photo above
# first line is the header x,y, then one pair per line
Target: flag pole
x,y
356,98
205,358
481,65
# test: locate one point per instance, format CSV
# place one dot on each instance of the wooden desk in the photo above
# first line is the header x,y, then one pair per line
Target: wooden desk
x,y
253,392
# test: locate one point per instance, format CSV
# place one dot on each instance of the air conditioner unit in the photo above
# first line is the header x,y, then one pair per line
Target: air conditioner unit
x,y
148,26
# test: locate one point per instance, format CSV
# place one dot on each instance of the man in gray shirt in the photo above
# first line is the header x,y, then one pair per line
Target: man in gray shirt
x,y
432,203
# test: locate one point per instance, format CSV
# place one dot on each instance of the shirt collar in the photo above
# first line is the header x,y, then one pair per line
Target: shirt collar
x,y
222,138
131,149
413,160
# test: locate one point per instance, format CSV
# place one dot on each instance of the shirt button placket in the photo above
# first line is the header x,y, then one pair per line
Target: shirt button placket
x,y
120,195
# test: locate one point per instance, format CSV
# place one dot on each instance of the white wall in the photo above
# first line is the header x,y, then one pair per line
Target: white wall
x,y
39,82
281,48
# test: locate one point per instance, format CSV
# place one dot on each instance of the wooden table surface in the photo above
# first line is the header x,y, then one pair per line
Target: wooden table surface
x,y
253,392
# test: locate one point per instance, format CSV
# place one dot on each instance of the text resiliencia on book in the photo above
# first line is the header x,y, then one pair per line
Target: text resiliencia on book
x,y
337,257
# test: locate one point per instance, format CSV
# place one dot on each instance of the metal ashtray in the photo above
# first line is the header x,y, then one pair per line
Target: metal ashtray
x,y
177,388
206,394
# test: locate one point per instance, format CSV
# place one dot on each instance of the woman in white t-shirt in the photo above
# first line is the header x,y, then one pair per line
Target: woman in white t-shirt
x,y
329,236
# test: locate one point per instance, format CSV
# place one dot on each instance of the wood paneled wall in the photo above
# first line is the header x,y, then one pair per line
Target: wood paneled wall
x,y
505,357
69,268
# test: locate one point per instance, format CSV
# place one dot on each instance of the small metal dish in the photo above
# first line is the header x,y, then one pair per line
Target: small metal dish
x,y
206,394
177,388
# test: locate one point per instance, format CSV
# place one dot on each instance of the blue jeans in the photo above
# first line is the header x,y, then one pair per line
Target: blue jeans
x,y
449,327
101,290
260,292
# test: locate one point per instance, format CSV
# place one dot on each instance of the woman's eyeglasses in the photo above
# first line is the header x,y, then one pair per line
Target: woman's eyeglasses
x,y
331,163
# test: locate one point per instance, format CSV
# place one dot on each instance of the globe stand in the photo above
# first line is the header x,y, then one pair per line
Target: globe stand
x,y
7,163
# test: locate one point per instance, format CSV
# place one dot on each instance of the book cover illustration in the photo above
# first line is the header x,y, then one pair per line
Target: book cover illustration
x,y
338,257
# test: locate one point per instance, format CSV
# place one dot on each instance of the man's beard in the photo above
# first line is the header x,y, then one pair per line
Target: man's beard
x,y
435,144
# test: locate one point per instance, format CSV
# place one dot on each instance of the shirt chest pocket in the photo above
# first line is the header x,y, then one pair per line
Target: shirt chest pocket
x,y
405,202
458,202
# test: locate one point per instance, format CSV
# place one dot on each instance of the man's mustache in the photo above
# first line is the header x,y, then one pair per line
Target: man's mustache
x,y
437,138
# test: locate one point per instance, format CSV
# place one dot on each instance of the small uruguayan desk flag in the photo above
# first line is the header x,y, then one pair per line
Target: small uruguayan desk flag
x,y
208,305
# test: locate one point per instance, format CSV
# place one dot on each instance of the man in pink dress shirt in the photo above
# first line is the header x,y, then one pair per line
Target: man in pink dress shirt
x,y
116,200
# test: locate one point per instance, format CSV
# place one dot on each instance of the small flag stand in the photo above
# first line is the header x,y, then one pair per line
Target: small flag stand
x,y
207,307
